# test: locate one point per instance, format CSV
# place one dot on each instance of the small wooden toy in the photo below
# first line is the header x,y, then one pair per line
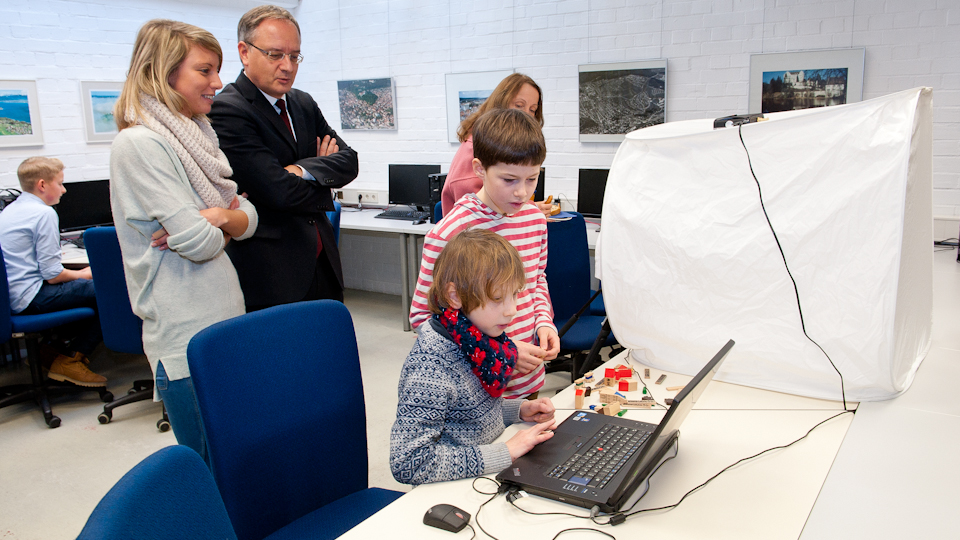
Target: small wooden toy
x,y
674,388
646,373
662,378
578,398
610,409
639,403
624,373
627,386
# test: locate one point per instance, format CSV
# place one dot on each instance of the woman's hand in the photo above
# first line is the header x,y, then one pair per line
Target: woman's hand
x,y
537,410
216,216
160,239
524,441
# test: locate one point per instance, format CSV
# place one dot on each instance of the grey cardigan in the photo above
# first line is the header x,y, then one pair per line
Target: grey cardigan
x,y
182,290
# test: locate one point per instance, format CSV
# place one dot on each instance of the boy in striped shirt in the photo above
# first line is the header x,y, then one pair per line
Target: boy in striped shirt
x,y
508,149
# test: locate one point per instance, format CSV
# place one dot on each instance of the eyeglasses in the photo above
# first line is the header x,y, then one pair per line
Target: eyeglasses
x,y
274,56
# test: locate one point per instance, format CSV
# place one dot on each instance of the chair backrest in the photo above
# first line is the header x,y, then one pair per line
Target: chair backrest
x,y
334,218
170,495
6,325
122,330
281,400
437,212
568,266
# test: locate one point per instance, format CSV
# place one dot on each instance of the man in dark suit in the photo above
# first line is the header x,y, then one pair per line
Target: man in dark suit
x,y
286,158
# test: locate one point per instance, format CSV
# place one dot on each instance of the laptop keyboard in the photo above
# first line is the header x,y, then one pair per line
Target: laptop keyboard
x,y
602,458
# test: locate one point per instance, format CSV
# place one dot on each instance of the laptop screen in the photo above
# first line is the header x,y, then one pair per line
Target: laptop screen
x,y
668,427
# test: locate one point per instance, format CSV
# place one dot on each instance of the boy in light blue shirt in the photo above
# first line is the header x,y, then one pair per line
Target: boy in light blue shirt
x,y
38,282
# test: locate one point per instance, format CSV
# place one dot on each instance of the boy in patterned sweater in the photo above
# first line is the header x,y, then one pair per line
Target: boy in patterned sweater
x,y
450,406
508,148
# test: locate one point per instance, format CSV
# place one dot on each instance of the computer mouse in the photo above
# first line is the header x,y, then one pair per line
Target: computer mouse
x,y
446,517
420,221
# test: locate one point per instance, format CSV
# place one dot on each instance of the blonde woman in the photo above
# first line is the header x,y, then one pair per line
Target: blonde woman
x,y
174,206
515,91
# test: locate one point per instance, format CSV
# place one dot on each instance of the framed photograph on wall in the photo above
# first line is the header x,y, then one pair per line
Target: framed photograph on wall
x,y
98,99
465,93
367,104
806,79
616,99
19,114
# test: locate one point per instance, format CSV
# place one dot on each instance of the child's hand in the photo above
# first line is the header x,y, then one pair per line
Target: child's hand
x,y
549,342
524,441
537,410
529,358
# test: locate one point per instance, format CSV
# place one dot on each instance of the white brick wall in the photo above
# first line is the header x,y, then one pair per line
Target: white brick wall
x,y
707,43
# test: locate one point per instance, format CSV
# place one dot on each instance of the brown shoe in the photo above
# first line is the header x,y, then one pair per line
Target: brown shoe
x,y
74,369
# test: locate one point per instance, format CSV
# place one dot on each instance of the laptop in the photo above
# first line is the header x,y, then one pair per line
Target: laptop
x,y
596,460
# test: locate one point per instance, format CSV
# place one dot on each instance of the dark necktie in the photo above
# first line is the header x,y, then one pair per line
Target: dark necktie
x,y
283,114
286,121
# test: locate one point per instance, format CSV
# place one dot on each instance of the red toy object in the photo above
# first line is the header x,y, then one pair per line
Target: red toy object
x,y
609,373
624,373
628,386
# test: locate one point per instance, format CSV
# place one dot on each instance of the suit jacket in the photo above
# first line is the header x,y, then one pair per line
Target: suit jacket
x,y
276,265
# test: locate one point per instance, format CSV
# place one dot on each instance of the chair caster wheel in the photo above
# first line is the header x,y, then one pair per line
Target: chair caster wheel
x,y
131,391
104,418
54,422
163,425
107,397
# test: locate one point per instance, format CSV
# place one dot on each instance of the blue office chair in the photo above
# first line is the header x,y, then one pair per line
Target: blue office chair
x,y
334,218
437,212
286,469
31,328
568,278
170,495
122,330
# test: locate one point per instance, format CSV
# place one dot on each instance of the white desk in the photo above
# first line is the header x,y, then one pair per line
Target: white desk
x,y
766,498
717,396
365,220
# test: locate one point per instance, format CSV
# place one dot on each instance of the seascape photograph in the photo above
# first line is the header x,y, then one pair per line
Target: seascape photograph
x,y
101,106
15,112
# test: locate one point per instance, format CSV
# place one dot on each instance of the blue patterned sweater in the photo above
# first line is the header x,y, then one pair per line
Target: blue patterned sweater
x,y
446,421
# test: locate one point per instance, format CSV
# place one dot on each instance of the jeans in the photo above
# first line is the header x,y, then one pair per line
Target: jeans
x,y
184,412
69,295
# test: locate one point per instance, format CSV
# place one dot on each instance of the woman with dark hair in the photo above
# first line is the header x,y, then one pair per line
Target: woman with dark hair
x,y
174,207
516,91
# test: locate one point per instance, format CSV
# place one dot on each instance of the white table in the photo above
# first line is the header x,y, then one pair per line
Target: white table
x,y
407,232
766,498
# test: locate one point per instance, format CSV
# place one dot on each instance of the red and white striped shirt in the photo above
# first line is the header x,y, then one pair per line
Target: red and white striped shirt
x,y
527,231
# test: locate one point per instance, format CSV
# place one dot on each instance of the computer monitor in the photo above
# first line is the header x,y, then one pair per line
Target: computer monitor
x,y
538,194
593,182
410,185
85,205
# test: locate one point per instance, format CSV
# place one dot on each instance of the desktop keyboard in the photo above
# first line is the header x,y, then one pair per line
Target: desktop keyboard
x,y
409,215
606,453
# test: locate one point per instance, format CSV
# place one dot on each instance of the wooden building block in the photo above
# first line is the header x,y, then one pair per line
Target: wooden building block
x,y
646,373
609,373
627,386
578,399
674,388
639,403
624,373
611,409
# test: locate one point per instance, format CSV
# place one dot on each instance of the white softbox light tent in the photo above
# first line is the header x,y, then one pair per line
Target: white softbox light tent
x,y
688,261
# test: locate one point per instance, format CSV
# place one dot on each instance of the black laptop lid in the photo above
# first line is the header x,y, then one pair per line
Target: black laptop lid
x,y
667,429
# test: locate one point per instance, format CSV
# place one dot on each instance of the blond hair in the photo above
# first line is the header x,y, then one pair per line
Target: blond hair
x,y
481,264
251,20
161,46
36,168
501,98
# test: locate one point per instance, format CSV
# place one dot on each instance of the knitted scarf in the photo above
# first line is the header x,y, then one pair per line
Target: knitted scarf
x,y
491,358
197,146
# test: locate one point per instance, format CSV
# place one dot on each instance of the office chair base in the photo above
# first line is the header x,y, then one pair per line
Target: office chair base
x,y
142,390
